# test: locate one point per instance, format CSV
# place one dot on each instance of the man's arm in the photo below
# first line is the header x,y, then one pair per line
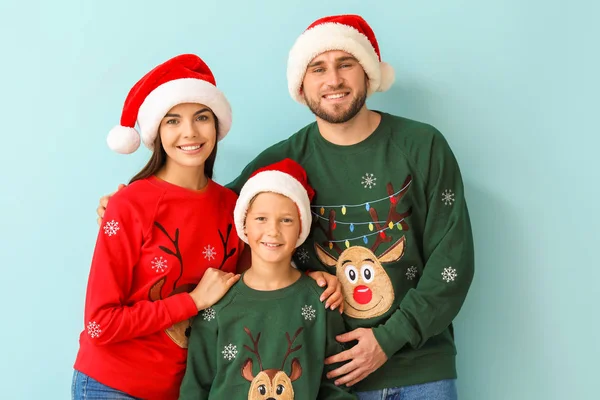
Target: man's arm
x,y
269,156
431,307
103,203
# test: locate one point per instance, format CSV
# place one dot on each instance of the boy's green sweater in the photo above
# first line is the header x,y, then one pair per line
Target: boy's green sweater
x,y
264,344
391,221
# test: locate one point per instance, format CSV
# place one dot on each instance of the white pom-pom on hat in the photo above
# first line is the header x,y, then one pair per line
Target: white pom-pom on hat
x,y
388,76
123,140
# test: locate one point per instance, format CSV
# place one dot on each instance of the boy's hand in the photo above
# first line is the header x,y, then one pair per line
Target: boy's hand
x,y
333,293
104,202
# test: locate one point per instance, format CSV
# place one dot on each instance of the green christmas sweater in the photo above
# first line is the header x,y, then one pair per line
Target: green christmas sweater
x,y
264,345
391,221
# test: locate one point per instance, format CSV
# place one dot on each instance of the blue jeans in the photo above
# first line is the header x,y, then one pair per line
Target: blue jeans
x,y
440,390
86,388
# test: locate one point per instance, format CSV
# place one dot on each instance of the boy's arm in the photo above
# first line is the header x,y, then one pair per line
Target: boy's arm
x,y
202,359
328,390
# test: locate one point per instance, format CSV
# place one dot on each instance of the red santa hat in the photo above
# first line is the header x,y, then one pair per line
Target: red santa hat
x,y
182,79
285,177
349,33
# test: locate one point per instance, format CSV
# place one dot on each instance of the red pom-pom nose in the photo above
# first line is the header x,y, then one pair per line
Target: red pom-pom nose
x,y
362,294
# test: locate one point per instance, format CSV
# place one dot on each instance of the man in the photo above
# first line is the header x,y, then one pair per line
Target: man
x,y
389,216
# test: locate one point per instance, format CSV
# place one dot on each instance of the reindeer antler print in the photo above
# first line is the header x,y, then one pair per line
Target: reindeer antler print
x,y
224,242
393,215
272,383
329,233
381,237
175,253
291,349
255,345
179,332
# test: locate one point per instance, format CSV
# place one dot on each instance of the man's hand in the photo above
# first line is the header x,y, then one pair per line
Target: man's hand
x,y
333,293
365,357
104,202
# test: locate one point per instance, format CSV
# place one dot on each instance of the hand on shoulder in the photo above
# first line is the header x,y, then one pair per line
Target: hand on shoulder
x,y
103,203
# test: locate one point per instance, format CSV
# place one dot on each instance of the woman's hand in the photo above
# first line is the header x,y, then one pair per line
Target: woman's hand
x,y
212,287
333,293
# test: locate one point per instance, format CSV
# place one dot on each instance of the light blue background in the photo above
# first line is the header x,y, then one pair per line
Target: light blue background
x,y
512,84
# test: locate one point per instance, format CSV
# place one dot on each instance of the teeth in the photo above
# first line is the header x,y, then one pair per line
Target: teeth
x,y
271,244
336,96
189,148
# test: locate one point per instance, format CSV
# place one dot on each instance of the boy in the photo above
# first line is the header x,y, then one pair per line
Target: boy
x,y
269,336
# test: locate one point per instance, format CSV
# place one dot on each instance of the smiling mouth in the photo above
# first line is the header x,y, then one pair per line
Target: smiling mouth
x,y
335,96
271,245
190,148
368,309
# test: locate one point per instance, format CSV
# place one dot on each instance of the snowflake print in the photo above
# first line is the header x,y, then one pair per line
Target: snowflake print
x,y
449,274
209,252
159,264
411,273
208,314
368,181
303,255
308,312
93,329
229,352
448,197
111,228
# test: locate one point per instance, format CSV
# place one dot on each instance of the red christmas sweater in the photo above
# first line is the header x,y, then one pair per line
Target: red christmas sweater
x,y
155,243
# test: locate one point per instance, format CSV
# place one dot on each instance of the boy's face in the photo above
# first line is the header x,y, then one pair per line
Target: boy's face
x,y
272,227
188,134
335,86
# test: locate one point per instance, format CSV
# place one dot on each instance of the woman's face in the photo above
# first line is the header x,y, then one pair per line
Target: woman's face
x,y
188,134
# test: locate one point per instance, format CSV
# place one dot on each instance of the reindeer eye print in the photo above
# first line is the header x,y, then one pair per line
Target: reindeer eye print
x,y
279,389
262,390
368,273
351,273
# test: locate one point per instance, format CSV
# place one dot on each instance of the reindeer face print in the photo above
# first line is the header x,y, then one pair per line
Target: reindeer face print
x,y
367,288
272,384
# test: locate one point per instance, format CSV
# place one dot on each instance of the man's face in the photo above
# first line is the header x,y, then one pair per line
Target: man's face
x,y
335,86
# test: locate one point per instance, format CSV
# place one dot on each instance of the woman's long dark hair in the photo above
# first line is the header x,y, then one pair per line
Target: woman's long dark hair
x,y
159,158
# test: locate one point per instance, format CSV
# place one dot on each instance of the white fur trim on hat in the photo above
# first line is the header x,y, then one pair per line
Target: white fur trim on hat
x,y
387,76
335,36
179,91
275,182
123,139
